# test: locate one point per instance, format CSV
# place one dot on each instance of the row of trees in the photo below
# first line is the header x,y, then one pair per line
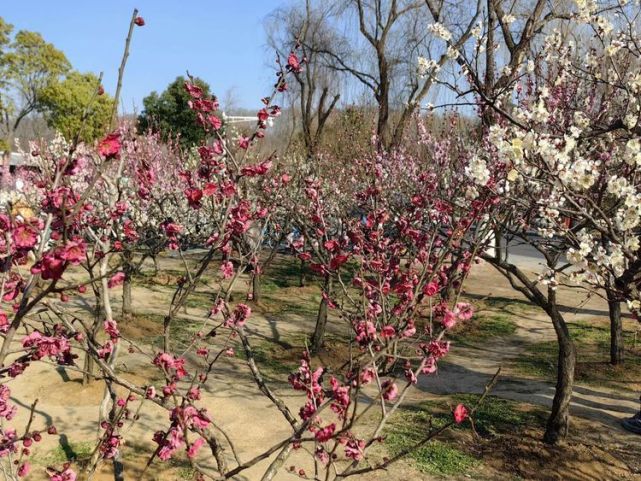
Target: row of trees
x,y
96,205
38,78
391,226
523,66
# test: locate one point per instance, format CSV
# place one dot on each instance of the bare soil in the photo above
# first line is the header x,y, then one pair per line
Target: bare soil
x,y
597,447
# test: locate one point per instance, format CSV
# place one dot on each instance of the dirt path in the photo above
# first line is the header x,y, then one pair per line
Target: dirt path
x,y
469,368
237,406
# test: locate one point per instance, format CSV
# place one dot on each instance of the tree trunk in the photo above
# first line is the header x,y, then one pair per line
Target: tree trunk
x,y
119,468
87,375
382,98
616,329
256,287
500,247
302,281
490,65
155,261
128,269
559,421
88,368
126,298
318,339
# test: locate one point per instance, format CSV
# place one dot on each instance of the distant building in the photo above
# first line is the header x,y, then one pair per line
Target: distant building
x,y
13,168
17,161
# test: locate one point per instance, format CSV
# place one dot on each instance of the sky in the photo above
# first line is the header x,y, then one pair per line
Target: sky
x,y
220,41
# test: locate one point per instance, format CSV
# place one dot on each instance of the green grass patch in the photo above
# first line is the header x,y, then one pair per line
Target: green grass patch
x,y
497,415
302,306
269,285
186,472
507,304
447,455
149,327
481,328
69,452
538,360
182,332
198,300
271,358
279,359
437,457
586,333
165,278
286,274
593,343
409,426
285,271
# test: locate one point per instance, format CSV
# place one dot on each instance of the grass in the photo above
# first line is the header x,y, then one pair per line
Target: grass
x,y
437,457
198,300
272,358
182,332
448,456
481,328
150,327
279,359
285,273
78,452
506,303
186,472
593,343
273,304
496,415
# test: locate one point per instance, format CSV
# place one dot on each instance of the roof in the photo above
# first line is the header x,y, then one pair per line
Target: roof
x,y
17,159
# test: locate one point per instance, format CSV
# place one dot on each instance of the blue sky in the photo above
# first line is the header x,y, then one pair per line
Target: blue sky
x,y
221,41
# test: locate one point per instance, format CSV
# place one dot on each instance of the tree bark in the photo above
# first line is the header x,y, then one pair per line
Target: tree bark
x,y
128,269
318,338
255,287
88,367
87,375
500,247
383,100
616,329
302,281
559,421
490,64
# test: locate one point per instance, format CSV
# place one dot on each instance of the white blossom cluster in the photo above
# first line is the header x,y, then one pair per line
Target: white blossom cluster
x,y
439,31
508,19
585,183
477,171
426,67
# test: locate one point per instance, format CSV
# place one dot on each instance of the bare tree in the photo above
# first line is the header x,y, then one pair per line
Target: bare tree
x,y
316,91
411,42
512,27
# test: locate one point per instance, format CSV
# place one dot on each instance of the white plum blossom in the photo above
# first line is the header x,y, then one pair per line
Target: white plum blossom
x,y
477,31
603,25
540,113
477,170
586,8
439,31
426,66
635,83
630,120
508,19
581,120
452,52
530,66
633,152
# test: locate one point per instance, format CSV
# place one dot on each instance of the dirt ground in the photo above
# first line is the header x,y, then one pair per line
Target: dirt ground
x,y
597,447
